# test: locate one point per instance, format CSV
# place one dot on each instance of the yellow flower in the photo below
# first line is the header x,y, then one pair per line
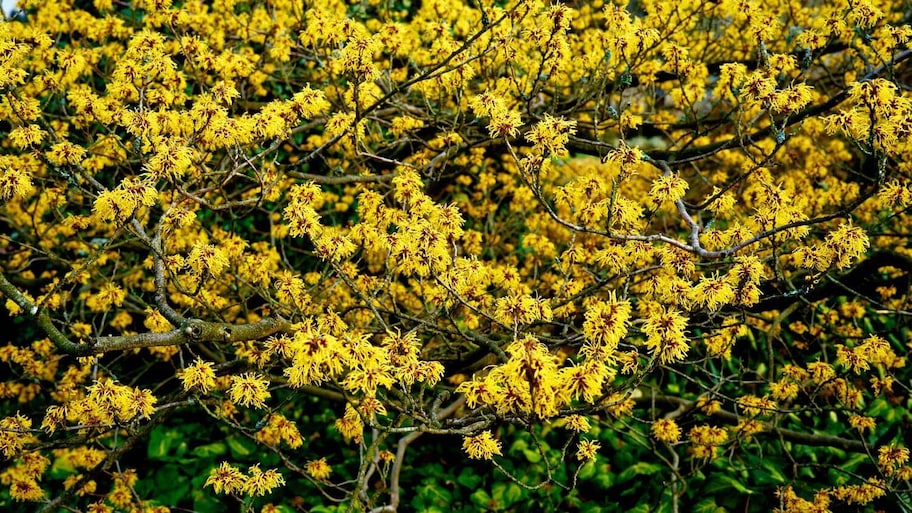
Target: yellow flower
x,y
587,449
26,136
26,488
664,330
249,389
65,153
504,123
861,423
551,134
482,446
15,182
318,469
109,295
606,322
199,375
577,423
206,258
890,457
225,479
670,187
666,430
260,483
350,425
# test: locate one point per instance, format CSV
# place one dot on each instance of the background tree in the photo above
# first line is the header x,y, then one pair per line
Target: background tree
x,y
318,244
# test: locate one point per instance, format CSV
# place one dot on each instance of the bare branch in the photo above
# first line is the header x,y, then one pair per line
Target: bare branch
x,y
191,330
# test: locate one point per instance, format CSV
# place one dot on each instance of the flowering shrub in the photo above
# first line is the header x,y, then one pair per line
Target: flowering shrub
x,y
579,241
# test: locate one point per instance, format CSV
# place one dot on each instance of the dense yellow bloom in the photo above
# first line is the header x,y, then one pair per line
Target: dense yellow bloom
x,y
713,293
249,389
821,372
666,430
861,494
350,425
14,434
318,469
65,153
108,297
862,423
706,440
783,390
26,489
577,423
198,375
261,482
665,335
207,259
27,136
482,446
514,309
669,187
551,134
374,196
585,381
890,458
280,429
587,449
15,182
753,406
226,479
606,323
119,204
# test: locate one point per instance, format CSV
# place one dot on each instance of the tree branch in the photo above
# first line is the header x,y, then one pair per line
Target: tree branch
x,y
191,330
799,437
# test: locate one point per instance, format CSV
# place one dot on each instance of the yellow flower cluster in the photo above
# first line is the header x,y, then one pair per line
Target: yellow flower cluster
x,y
574,199
228,479
482,446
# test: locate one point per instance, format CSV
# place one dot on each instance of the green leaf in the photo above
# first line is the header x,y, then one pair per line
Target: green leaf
x,y
639,469
588,470
325,509
469,479
432,493
591,507
775,473
605,478
724,483
506,494
532,456
62,468
879,407
210,450
170,485
664,506
708,505
240,447
483,499
161,442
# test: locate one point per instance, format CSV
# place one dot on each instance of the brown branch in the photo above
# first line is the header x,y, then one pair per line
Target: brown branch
x,y
404,442
158,267
799,437
191,330
341,180
674,158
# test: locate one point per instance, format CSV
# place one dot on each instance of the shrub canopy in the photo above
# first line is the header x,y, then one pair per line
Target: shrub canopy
x,y
455,255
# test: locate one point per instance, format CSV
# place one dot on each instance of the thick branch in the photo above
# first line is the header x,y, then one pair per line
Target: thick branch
x,y
161,299
191,330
